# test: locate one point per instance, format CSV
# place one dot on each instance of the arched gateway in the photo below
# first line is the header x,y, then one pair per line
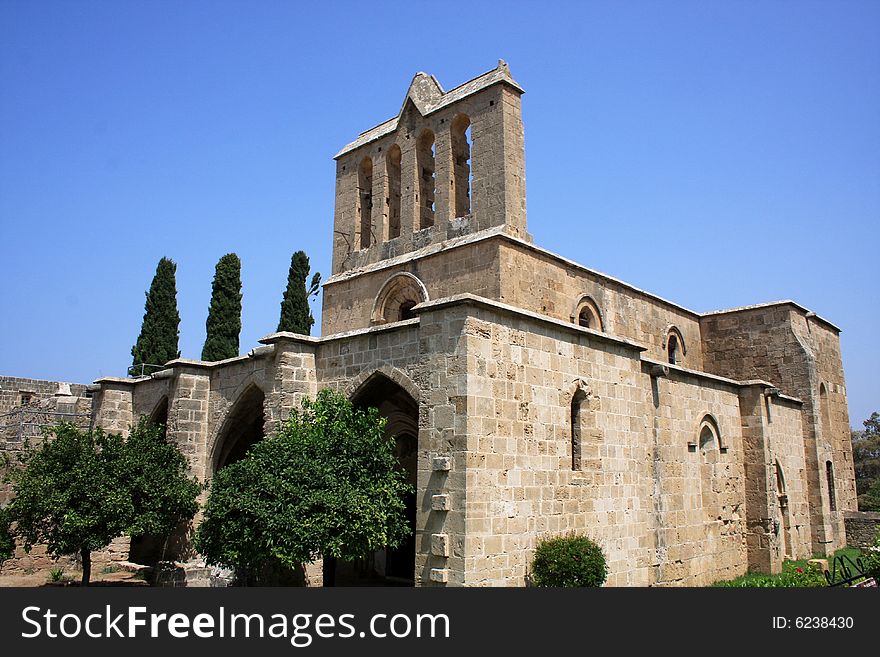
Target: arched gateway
x,y
394,566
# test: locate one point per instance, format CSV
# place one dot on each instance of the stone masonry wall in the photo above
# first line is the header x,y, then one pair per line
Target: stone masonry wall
x,y
780,344
12,387
538,281
777,508
661,514
861,528
472,268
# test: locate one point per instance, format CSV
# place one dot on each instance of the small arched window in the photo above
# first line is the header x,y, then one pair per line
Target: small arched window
x,y
397,298
425,162
461,168
709,436
672,349
824,412
780,480
365,200
392,200
587,314
674,345
829,475
577,410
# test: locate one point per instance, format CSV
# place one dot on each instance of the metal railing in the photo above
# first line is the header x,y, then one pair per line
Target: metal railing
x,y
141,369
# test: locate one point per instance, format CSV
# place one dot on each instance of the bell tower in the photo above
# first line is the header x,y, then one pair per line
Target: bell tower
x,y
450,163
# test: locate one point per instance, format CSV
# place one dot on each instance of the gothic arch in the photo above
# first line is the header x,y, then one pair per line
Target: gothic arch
x,y
159,415
398,295
394,374
242,428
587,308
584,433
397,399
709,432
673,343
461,167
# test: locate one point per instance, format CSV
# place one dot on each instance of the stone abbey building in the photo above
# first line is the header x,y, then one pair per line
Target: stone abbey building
x,y
531,396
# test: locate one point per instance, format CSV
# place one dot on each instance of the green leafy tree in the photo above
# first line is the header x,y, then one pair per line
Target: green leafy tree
x,y
866,461
7,541
157,479
296,316
328,484
157,342
224,315
78,490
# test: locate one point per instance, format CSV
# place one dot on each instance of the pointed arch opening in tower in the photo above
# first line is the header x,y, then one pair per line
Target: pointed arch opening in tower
x,y
427,178
461,164
365,201
392,199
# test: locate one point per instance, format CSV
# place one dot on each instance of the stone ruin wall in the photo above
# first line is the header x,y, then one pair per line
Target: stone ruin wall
x,y
348,302
781,344
541,282
637,477
44,408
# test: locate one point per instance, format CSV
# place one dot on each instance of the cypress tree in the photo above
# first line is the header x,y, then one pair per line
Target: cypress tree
x,y
224,315
157,342
296,316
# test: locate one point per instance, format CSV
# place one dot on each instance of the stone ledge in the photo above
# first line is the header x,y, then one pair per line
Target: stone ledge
x,y
472,299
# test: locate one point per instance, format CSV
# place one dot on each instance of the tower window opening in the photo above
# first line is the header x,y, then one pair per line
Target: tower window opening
x,y
425,161
365,200
461,164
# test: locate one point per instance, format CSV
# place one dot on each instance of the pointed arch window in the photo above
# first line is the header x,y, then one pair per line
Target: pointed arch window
x,y
392,200
365,201
674,346
588,315
425,161
461,167
829,475
578,402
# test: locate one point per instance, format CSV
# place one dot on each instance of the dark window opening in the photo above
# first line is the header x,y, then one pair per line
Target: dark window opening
x,y
672,349
585,319
829,474
406,310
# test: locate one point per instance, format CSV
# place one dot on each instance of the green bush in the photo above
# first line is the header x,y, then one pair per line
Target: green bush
x,y
871,559
569,561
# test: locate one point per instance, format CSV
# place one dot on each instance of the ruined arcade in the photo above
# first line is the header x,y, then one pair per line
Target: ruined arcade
x,y
531,396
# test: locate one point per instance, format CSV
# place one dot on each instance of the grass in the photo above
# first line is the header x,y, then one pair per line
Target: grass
x,y
795,574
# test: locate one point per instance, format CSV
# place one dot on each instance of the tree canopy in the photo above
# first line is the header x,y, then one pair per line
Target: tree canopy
x,y
866,461
296,316
78,490
328,484
158,339
224,314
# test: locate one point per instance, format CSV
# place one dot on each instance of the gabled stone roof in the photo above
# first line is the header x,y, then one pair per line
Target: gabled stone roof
x,y
428,96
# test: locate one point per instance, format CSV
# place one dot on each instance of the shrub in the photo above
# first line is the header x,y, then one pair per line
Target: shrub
x,y
569,561
871,559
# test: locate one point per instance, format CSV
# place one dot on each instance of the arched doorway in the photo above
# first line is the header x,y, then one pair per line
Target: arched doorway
x,y
149,549
393,566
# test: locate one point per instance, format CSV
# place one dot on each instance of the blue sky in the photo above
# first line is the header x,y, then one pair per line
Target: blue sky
x,y
718,154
